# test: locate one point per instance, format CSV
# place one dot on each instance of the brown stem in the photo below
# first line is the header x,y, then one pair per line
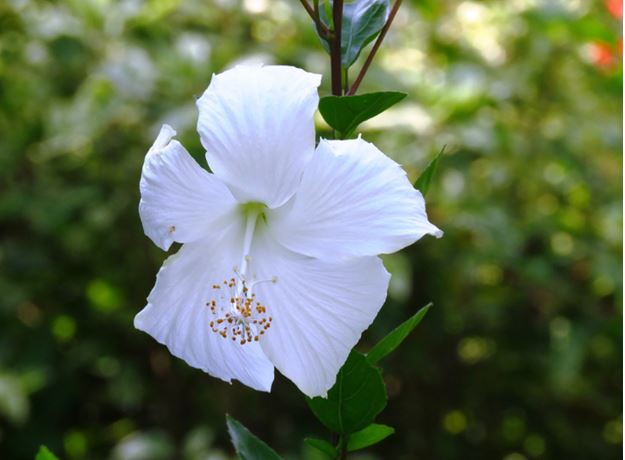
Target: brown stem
x,y
308,8
343,454
335,54
314,15
374,50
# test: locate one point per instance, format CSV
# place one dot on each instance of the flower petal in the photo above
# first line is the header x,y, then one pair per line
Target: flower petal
x,y
177,316
353,201
180,201
256,124
319,311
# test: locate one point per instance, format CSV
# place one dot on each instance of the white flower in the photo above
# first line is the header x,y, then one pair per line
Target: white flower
x,y
279,265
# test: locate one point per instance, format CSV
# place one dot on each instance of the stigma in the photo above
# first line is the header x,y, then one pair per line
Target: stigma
x,y
237,314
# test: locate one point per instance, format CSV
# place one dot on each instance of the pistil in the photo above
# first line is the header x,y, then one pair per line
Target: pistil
x,y
238,314
250,225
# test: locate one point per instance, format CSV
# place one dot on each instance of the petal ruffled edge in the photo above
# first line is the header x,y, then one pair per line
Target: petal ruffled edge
x,y
319,310
257,126
352,201
180,201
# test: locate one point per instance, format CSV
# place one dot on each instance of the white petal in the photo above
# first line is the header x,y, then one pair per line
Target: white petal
x,y
177,316
256,124
319,311
353,201
180,201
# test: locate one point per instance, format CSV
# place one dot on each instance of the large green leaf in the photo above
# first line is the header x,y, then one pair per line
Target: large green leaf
x,y
362,20
345,113
396,336
369,436
248,446
323,446
356,398
423,181
45,454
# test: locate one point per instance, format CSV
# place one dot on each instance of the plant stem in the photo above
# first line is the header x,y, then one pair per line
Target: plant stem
x,y
342,447
308,9
335,54
314,15
374,50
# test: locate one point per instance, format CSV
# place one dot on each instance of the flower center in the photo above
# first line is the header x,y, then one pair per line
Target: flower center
x,y
253,208
238,314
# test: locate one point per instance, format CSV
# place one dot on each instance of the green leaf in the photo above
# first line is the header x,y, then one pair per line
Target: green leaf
x,y
345,113
356,398
45,454
362,21
423,182
323,446
248,446
369,436
396,337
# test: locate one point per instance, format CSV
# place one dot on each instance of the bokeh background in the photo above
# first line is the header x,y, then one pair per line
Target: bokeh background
x,y
519,359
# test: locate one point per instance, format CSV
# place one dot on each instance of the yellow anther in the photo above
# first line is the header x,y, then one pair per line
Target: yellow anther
x,y
237,313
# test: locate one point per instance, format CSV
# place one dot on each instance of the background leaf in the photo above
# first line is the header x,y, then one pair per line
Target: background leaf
x,y
396,337
355,400
345,113
362,20
321,445
248,446
45,454
424,180
369,436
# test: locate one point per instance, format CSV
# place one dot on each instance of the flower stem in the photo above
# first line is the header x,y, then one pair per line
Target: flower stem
x,y
374,50
335,52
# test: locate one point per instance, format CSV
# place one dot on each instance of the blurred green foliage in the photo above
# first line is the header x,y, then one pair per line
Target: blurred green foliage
x,y
519,359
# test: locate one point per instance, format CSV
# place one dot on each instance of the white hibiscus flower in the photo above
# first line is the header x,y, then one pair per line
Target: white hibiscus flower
x,y
279,261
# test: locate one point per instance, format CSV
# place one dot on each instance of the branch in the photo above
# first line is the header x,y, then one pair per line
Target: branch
x,y
314,15
308,9
374,50
343,448
335,55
